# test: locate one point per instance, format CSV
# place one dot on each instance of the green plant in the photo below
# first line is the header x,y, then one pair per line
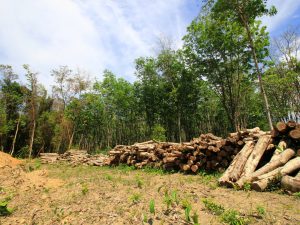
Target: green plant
x,y
158,133
187,212
152,206
145,218
4,210
195,218
84,189
139,182
247,186
233,217
261,210
297,194
168,200
175,197
135,198
213,207
185,203
108,177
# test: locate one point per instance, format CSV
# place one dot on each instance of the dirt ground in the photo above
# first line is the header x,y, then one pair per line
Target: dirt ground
x,y
62,194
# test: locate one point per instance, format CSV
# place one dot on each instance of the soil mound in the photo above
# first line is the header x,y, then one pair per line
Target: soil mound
x,y
8,160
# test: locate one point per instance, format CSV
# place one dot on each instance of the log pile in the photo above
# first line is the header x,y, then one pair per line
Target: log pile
x,y
207,152
274,158
75,157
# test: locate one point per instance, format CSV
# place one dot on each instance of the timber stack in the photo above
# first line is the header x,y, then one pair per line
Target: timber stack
x,y
74,157
207,152
274,158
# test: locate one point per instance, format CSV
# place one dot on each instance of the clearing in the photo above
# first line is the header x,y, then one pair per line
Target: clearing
x,y
62,194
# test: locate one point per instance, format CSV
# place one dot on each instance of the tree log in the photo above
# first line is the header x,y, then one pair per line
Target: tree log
x,y
281,146
284,157
295,134
291,183
254,159
281,127
291,124
236,167
291,166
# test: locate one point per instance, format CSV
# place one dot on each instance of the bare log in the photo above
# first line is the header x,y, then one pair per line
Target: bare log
x,y
236,167
281,127
295,134
254,159
291,166
291,183
281,146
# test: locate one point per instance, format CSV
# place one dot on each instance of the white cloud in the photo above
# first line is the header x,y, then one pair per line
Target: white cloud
x,y
286,10
93,35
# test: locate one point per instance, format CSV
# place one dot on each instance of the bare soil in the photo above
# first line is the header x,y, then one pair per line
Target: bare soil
x,y
62,194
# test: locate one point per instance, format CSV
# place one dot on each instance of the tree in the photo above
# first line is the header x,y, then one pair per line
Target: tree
x,y
33,104
246,12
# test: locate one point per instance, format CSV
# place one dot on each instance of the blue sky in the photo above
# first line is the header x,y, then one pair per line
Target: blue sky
x,y
94,35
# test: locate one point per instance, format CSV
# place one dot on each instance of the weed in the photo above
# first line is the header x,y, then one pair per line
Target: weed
x,y
108,177
46,190
261,210
152,206
297,194
84,189
233,217
185,203
175,197
247,186
195,218
145,218
4,210
187,212
135,198
139,182
168,200
213,207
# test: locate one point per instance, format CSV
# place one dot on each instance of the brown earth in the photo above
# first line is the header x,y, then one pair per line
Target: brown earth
x,y
7,160
61,194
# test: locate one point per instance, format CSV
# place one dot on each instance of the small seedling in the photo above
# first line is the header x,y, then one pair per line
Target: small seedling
x,y
145,218
135,198
152,206
168,200
195,218
84,189
108,177
139,182
261,210
247,186
297,194
175,197
4,210
213,207
187,212
233,217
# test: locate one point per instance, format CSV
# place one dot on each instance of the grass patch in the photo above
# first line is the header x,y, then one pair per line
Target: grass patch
x,y
4,210
213,207
135,198
233,217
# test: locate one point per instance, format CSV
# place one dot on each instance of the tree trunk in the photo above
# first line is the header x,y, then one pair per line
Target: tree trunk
x,y
291,166
71,139
32,139
266,179
15,136
295,134
259,74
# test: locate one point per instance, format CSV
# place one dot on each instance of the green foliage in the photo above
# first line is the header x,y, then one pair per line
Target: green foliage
x,y
4,210
213,207
261,210
195,218
139,182
152,206
168,200
158,133
84,189
187,212
297,195
135,198
233,217
247,186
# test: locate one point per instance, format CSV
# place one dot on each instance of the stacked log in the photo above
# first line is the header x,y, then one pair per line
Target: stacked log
x,y
207,152
273,158
75,157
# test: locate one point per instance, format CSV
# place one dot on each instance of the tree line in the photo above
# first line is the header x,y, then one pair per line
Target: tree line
x,y
228,75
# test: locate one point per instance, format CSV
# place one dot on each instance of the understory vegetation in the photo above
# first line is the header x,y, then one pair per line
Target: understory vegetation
x,y
228,75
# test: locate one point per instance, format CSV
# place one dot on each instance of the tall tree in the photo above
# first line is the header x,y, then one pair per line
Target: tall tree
x,y
246,12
